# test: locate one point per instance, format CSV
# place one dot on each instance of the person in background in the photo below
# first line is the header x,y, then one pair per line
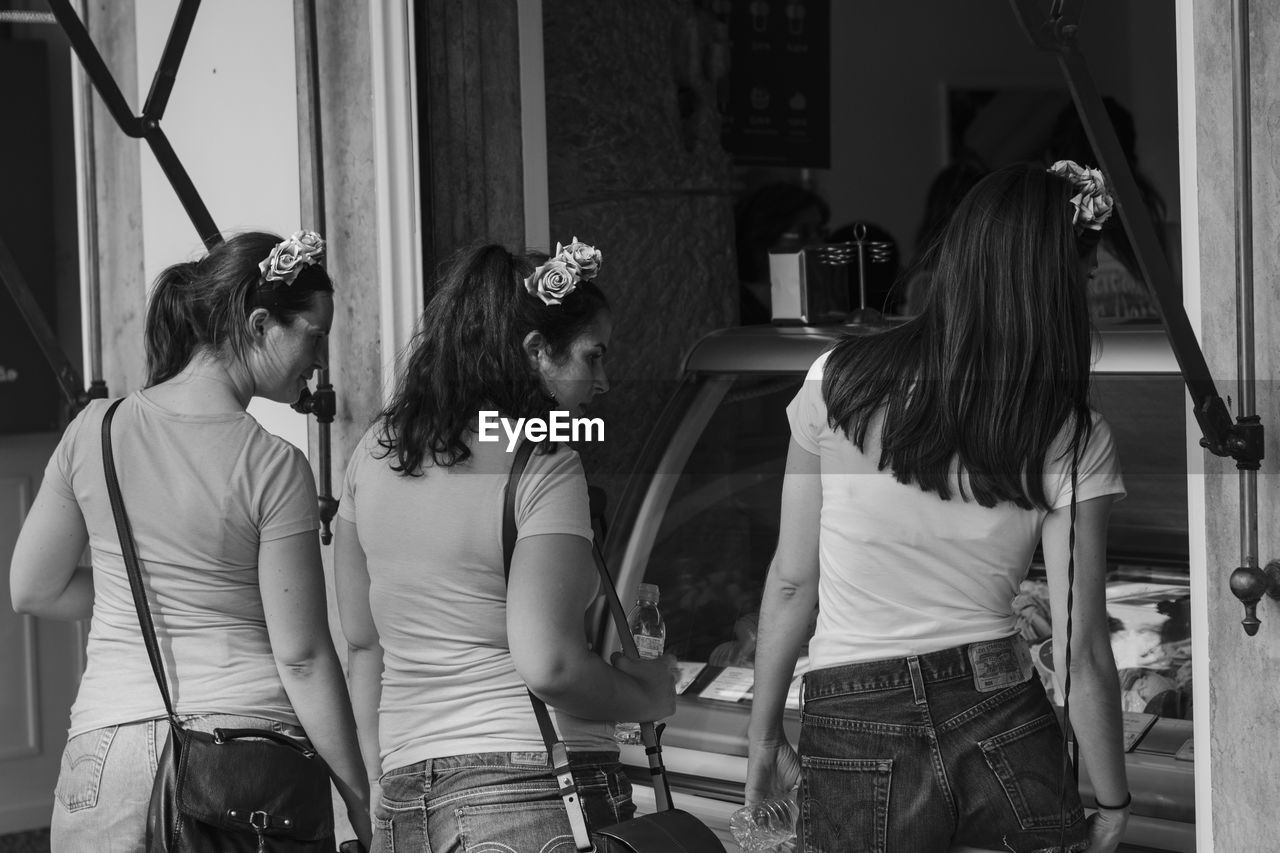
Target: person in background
x,y
443,646
1117,291
949,186
926,461
225,518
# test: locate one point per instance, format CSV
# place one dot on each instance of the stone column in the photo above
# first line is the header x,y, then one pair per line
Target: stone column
x,y
635,167
346,120
1241,673
469,124
118,196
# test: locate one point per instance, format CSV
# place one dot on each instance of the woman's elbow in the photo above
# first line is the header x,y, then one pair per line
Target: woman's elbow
x,y
1092,661
548,675
25,601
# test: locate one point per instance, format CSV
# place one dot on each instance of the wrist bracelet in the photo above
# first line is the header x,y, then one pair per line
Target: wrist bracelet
x,y
1128,800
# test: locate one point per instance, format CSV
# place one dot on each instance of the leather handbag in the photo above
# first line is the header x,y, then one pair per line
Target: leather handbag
x,y
668,830
232,790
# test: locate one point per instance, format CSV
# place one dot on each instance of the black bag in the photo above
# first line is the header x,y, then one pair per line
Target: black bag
x,y
234,790
668,830
672,830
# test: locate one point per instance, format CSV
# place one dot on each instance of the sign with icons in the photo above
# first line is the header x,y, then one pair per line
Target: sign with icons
x,y
776,102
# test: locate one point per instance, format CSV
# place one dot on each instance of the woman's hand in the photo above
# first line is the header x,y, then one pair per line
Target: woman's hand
x,y
773,769
1106,829
360,822
657,679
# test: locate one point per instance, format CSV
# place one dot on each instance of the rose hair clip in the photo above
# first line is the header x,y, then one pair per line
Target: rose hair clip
x,y
559,276
287,259
1093,202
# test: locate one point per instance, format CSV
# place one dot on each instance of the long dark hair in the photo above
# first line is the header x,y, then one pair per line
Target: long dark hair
x,y
468,355
997,363
203,303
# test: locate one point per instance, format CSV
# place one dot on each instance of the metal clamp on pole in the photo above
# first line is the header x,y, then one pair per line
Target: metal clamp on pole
x,y
1243,440
324,405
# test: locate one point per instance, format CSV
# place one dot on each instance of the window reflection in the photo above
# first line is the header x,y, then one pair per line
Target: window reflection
x,y
720,528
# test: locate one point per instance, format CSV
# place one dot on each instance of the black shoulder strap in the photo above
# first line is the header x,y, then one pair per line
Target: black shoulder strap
x,y
132,565
557,754
523,452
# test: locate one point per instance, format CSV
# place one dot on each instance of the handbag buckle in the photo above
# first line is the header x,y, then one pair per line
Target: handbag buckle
x,y
260,821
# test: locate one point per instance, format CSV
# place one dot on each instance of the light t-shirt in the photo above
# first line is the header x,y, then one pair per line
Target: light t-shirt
x,y
202,492
438,595
902,571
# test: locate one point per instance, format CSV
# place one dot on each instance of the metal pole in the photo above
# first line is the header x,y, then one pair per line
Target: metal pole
x,y
1242,129
326,406
89,180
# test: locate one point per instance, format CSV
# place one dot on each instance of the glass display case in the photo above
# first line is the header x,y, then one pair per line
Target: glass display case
x,y
701,522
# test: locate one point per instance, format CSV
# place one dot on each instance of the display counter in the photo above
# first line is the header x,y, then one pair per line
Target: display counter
x,y
700,520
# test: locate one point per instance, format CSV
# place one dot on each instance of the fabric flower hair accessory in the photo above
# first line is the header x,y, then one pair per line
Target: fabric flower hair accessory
x,y
562,272
287,259
1093,201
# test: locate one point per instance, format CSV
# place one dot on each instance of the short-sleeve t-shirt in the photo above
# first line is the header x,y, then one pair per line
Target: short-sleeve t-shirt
x,y
202,492
902,571
437,591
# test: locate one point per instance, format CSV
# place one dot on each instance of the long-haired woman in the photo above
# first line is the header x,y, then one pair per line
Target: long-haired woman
x,y
926,462
224,515
442,646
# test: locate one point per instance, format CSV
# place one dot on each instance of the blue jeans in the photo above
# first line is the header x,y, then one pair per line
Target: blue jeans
x,y
494,802
908,754
104,785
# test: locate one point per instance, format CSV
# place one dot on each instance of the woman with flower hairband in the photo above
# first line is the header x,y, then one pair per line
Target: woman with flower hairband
x,y
224,515
442,646
926,462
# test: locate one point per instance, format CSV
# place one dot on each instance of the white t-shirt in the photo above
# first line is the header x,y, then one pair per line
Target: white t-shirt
x,y
903,572
439,598
202,493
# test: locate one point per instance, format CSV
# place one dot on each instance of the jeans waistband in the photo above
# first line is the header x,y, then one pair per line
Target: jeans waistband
x,y
518,760
889,673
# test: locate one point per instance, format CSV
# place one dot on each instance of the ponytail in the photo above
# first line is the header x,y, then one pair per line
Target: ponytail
x,y
171,337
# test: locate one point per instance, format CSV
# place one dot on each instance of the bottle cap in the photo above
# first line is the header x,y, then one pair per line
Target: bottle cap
x,y
647,592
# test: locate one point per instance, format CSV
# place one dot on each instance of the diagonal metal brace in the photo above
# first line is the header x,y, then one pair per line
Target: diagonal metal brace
x,y
147,125
1056,31
64,371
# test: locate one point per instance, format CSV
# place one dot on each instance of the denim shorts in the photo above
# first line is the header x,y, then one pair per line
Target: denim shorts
x,y
494,802
104,784
907,754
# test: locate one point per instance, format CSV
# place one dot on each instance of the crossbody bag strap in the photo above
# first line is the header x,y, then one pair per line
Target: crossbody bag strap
x,y
130,553
557,752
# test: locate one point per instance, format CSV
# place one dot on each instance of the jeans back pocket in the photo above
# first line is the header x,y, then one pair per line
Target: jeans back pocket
x,y
845,804
80,775
1028,763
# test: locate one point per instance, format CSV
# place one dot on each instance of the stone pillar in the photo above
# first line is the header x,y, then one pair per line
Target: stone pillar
x,y
346,120
469,124
118,196
1241,673
635,167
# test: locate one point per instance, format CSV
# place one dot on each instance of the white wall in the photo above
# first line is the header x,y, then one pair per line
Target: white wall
x,y
233,121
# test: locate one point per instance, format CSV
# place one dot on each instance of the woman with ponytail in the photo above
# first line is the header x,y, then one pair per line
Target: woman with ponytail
x,y
442,645
926,462
224,515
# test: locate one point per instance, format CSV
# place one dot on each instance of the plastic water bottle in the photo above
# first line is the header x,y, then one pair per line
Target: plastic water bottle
x,y
767,826
650,634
